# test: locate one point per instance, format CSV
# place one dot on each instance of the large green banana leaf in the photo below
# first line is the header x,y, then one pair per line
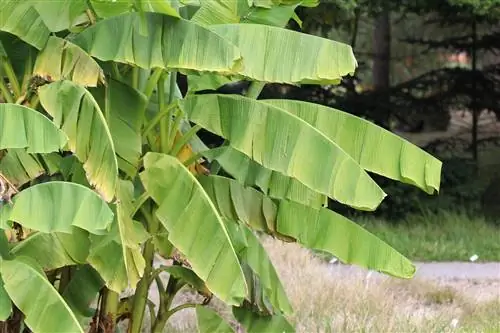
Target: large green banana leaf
x,y
194,226
272,183
117,256
320,229
250,251
272,54
106,257
255,323
209,321
61,14
77,113
130,236
23,127
125,106
19,167
20,18
219,11
44,309
374,148
5,303
170,43
58,207
62,60
82,290
55,250
109,8
283,142
242,11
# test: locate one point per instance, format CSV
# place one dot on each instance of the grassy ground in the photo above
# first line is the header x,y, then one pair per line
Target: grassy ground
x,y
440,237
325,300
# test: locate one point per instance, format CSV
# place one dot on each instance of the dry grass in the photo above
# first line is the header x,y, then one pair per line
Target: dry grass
x,y
329,300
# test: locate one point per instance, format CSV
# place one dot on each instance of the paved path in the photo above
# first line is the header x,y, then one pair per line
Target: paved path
x,y
438,270
459,270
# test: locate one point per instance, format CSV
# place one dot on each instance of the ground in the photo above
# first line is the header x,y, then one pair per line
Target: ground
x,y
443,297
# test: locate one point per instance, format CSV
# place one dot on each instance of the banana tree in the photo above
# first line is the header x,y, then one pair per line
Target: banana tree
x,y
102,170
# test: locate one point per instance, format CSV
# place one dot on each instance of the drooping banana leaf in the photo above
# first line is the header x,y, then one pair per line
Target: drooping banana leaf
x,y
109,8
82,290
279,55
194,226
19,167
77,113
255,323
58,207
374,148
209,321
33,294
250,251
20,18
126,107
320,229
171,43
55,250
325,230
130,236
62,60
23,127
282,142
274,184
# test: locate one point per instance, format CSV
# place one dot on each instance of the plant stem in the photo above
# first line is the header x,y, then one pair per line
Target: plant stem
x,y
91,12
175,126
139,202
135,77
159,116
111,301
11,75
181,307
152,82
164,122
192,159
116,72
184,139
141,293
171,127
163,313
28,70
255,89
64,279
5,92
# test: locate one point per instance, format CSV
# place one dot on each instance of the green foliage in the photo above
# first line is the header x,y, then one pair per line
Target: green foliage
x,y
101,166
443,236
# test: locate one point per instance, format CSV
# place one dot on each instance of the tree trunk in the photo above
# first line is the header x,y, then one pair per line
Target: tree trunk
x,y
381,64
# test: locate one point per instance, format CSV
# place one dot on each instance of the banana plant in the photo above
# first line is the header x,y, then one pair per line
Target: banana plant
x,y
102,169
